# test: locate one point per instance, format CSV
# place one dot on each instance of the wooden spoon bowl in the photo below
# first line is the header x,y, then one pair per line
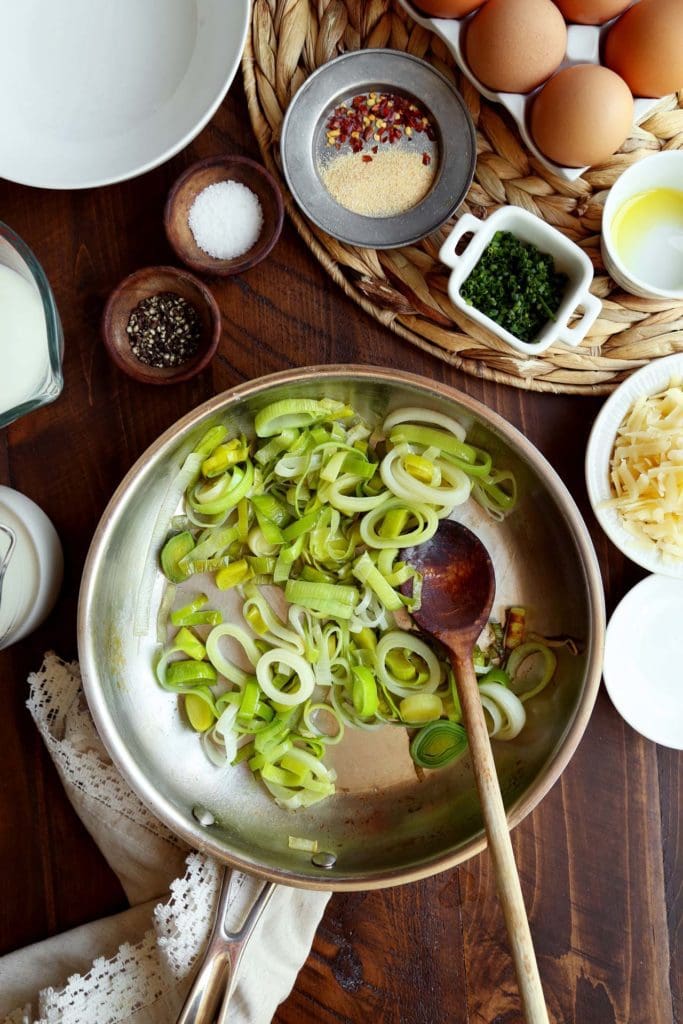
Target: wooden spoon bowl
x,y
209,172
458,585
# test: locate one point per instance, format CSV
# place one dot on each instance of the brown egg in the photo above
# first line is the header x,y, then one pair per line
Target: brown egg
x,y
592,12
514,45
447,8
582,115
645,47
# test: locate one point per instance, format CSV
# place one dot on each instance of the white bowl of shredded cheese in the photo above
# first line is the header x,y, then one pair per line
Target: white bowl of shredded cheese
x,y
634,467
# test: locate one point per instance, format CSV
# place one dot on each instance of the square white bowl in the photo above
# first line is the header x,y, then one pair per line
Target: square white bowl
x,y
568,258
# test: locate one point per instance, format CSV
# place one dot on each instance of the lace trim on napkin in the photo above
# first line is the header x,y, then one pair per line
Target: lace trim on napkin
x,y
146,980
59,710
138,975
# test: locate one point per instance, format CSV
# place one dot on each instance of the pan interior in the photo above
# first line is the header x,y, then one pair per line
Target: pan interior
x,y
386,823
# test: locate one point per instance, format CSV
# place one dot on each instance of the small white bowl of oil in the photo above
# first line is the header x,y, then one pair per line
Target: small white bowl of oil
x,y
642,227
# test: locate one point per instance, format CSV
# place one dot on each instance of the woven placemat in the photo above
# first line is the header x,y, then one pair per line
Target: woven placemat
x,y
405,289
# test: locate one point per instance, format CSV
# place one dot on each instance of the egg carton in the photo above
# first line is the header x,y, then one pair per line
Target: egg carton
x,y
583,47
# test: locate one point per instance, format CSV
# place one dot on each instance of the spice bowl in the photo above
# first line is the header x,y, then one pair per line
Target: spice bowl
x,y
158,331
253,218
316,144
578,308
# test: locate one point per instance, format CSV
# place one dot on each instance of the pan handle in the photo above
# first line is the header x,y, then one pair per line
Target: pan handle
x,y
217,975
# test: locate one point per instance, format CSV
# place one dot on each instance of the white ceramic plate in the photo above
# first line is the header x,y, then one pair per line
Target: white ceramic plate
x,y
647,381
642,667
98,91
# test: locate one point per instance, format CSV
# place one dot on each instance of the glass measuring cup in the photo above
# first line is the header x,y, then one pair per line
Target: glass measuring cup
x,y
31,339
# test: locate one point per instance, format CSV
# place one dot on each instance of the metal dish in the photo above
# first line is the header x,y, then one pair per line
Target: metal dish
x,y
302,145
385,825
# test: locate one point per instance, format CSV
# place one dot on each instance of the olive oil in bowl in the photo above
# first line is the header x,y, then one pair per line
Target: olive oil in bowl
x,y
647,236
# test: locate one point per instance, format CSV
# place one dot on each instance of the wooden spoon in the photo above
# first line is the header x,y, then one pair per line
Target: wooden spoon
x,y
457,595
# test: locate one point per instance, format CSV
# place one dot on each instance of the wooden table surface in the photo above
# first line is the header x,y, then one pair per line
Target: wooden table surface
x,y
600,858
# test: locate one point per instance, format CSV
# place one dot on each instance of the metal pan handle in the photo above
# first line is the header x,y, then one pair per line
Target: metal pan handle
x,y
217,975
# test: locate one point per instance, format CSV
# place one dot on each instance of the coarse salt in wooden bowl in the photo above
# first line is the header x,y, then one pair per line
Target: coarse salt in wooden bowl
x,y
201,176
144,284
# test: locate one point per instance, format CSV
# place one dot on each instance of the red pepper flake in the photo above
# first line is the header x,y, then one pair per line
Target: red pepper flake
x,y
426,159
367,159
382,117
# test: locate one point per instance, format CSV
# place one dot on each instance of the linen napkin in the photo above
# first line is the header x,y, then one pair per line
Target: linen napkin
x,y
147,955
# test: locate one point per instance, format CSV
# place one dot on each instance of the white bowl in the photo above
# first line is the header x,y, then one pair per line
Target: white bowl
x,y
642,650
660,170
97,91
568,257
647,381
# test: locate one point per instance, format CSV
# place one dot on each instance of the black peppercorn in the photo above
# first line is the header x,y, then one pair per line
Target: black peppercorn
x,y
164,330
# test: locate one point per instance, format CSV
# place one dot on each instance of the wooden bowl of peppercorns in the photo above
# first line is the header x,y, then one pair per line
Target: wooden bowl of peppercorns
x,y
161,325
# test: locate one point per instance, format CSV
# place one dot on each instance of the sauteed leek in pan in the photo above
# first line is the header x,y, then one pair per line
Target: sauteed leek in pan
x,y
303,527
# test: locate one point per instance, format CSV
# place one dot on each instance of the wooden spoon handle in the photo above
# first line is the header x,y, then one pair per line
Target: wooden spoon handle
x,y
500,846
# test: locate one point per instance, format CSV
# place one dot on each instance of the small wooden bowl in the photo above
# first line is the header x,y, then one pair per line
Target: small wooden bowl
x,y
141,285
208,172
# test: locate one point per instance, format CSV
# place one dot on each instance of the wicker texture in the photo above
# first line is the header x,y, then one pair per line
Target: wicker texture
x,y
406,289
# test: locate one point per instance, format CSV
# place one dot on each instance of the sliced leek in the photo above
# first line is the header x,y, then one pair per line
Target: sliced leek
x,y
531,666
302,530
438,743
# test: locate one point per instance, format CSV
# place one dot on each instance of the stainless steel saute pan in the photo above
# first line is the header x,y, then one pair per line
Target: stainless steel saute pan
x,y
385,825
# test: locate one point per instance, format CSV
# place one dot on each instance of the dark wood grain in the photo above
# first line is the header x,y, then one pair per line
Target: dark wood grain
x,y
599,859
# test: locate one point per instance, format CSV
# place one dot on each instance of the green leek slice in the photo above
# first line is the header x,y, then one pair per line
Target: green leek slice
x,y
199,712
530,666
176,548
296,412
438,743
419,708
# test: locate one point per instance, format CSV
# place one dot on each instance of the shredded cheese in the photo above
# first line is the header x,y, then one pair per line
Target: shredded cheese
x,y
646,471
